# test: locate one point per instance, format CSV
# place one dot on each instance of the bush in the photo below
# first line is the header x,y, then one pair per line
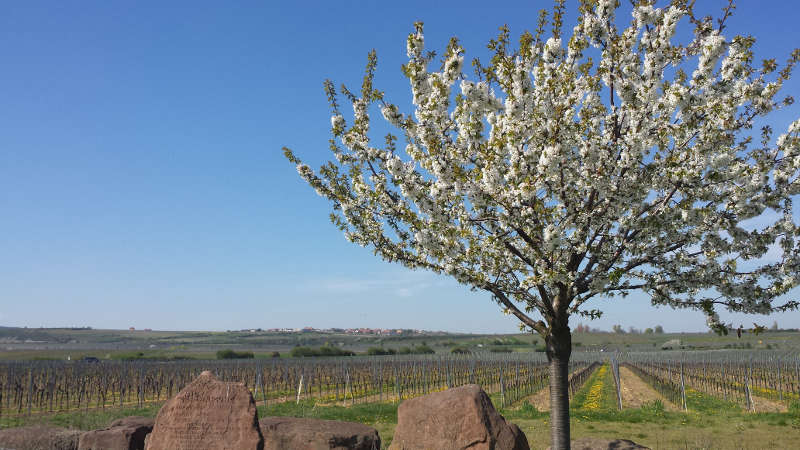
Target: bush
x,y
129,356
460,350
300,351
230,354
496,350
421,349
325,350
379,351
276,354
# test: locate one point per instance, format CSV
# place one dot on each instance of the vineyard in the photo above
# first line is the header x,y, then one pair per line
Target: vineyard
x,y
736,377
686,380
34,387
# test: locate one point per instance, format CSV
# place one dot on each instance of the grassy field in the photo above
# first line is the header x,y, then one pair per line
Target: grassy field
x,y
709,427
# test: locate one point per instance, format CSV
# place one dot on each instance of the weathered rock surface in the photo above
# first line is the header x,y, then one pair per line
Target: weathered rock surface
x,y
127,433
39,438
290,433
604,444
455,419
208,414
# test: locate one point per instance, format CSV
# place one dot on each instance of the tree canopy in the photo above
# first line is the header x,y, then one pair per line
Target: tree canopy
x,y
567,168
570,168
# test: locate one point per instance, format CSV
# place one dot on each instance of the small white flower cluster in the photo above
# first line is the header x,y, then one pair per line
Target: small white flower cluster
x,y
479,97
415,44
337,122
392,115
645,15
712,47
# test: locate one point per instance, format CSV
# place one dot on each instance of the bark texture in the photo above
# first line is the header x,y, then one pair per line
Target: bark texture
x,y
559,348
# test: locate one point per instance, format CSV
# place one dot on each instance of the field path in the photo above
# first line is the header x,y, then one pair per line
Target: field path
x,y
541,399
761,404
635,392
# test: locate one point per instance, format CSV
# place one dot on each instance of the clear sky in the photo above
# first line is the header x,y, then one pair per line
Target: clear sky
x,y
142,181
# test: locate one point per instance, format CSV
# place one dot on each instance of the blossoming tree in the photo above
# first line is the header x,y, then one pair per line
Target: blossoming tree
x,y
573,168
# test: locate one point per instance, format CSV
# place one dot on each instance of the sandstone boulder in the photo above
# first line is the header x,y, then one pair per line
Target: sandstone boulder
x,y
208,414
604,444
39,438
127,433
455,419
290,433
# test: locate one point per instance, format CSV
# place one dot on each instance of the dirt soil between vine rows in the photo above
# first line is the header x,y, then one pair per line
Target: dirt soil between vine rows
x,y
635,393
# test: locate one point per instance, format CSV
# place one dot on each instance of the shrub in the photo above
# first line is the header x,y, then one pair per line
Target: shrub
x,y
301,351
129,356
460,350
230,354
497,350
379,351
421,349
325,350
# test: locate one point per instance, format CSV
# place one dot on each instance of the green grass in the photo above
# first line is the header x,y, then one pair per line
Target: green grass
x,y
701,402
82,420
649,425
607,400
367,413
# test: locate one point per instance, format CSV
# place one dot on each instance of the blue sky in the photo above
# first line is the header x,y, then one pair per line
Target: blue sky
x,y
142,181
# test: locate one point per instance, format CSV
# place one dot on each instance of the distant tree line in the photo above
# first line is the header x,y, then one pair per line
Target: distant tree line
x,y
421,349
618,329
324,350
232,354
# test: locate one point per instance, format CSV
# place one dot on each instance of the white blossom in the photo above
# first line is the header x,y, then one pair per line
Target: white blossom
x,y
337,121
540,190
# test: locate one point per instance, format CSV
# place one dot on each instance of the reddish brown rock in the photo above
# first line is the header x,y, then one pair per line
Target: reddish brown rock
x,y
39,438
455,419
291,433
127,433
604,444
208,414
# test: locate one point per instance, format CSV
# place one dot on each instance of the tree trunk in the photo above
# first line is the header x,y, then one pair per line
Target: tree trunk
x,y
559,348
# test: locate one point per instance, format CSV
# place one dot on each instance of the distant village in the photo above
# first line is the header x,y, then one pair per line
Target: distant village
x,y
364,331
